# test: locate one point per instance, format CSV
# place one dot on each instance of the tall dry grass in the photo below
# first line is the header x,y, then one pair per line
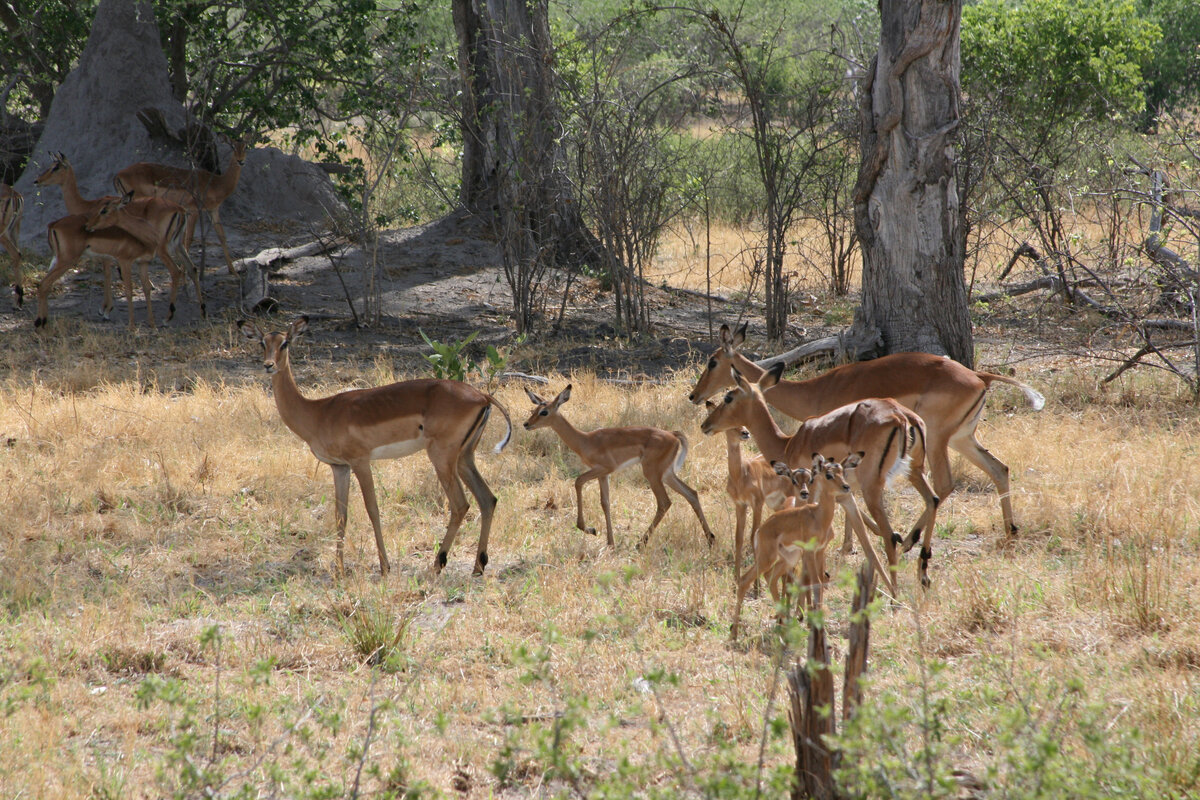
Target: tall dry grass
x,y
168,602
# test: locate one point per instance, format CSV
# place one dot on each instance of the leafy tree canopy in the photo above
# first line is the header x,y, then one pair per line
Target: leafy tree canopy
x,y
1174,71
1050,60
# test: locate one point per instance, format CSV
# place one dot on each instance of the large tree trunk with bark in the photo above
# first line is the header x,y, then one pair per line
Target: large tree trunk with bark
x,y
906,199
511,127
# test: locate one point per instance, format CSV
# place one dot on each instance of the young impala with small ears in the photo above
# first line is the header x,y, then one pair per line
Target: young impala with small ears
x,y
798,534
607,450
351,429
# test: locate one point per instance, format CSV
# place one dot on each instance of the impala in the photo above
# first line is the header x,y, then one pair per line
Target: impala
x,y
798,534
752,483
70,240
606,450
948,396
891,437
351,429
11,204
154,226
157,222
195,189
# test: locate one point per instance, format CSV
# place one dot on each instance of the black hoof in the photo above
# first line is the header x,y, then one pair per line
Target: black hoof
x,y
19,293
897,538
204,311
590,531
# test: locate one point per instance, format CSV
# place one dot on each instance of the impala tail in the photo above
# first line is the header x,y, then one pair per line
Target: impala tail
x,y
683,450
508,421
1035,398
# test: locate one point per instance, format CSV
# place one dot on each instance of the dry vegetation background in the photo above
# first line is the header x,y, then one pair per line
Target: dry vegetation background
x,y
171,620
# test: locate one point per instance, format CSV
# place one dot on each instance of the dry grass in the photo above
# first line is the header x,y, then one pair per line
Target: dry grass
x,y
165,573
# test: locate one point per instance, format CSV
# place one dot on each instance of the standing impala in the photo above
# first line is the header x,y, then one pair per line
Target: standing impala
x,y
157,222
351,429
948,396
195,189
752,483
11,204
799,534
891,438
606,450
157,225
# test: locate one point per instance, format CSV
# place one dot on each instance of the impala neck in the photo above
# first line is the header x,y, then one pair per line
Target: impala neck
x,y
733,445
750,371
572,437
770,438
227,181
296,410
71,197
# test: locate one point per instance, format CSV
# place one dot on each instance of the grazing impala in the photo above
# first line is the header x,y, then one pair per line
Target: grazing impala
x,y
195,189
948,396
606,450
351,429
798,534
11,204
891,437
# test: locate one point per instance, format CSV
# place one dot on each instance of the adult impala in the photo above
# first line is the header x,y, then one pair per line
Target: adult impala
x,y
891,438
11,204
157,222
607,450
351,429
70,240
948,396
195,189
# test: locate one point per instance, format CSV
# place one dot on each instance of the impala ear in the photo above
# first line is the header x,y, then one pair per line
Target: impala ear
x,y
563,396
742,383
853,460
771,376
127,198
818,462
740,336
726,337
298,327
250,330
780,468
710,404
533,397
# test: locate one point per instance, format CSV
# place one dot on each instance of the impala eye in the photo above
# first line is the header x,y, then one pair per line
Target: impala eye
x,y
543,412
729,397
712,363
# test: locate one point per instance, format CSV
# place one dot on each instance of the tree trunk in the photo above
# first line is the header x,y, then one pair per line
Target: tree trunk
x,y
906,200
510,123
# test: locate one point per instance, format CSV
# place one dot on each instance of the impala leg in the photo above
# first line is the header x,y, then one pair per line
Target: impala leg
x,y
215,216
756,522
487,505
14,252
106,305
366,483
739,533
873,498
591,474
662,499
57,267
693,500
147,290
341,497
965,442
604,504
855,519
176,278
445,464
194,274
749,578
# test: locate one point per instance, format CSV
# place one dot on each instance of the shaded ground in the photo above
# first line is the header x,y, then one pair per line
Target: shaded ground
x,y
443,278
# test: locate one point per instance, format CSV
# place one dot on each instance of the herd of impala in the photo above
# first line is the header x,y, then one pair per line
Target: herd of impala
x,y
861,425
154,214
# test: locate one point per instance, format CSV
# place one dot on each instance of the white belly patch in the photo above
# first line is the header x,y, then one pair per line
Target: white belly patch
x,y
628,463
399,449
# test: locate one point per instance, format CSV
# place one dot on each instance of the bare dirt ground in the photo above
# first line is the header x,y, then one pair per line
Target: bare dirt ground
x,y
442,278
